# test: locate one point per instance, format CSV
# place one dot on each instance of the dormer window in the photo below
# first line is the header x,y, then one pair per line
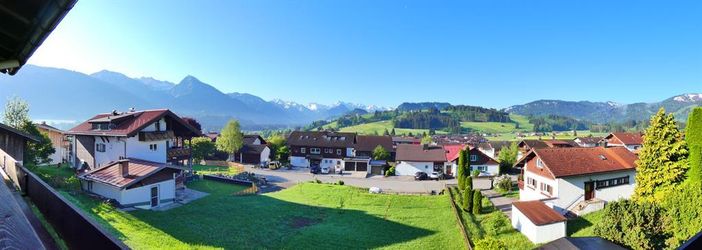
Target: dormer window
x,y
539,163
101,126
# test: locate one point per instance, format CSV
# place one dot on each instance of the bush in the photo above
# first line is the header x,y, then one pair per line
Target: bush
x,y
504,183
317,181
635,225
475,173
467,200
341,182
390,171
494,223
477,201
683,213
489,243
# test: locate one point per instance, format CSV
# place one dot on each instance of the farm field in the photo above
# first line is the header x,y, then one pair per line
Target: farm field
x,y
560,136
305,216
380,127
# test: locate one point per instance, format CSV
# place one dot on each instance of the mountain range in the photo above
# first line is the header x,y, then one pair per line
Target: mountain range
x,y
602,112
64,97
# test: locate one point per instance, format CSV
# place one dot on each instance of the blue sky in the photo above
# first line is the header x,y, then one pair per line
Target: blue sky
x,y
490,53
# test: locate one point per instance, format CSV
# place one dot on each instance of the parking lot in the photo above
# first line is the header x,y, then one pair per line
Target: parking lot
x,y
284,178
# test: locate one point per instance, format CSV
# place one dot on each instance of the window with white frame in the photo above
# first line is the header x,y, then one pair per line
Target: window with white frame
x,y
100,147
539,163
153,147
327,150
473,158
315,151
480,168
338,151
547,189
531,182
302,150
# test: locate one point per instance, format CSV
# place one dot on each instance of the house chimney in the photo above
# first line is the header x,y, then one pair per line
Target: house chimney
x,y
124,168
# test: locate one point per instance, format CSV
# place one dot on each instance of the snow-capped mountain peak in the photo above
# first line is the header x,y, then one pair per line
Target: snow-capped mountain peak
x,y
688,98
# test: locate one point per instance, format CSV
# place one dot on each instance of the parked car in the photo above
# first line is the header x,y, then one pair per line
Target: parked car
x,y
420,176
325,169
435,176
315,169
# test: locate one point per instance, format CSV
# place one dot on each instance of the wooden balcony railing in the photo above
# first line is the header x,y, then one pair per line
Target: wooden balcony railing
x,y
178,153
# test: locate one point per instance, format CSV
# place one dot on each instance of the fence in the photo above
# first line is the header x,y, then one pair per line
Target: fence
x,y
459,218
227,180
76,229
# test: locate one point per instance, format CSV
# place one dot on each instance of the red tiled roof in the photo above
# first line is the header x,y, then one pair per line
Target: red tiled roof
x,y
579,161
130,123
137,169
417,153
452,151
627,138
538,213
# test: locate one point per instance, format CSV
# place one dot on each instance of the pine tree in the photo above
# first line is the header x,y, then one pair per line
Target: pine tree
x,y
662,160
693,136
477,202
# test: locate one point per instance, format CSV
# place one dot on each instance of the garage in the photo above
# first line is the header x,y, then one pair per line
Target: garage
x,y
356,164
377,170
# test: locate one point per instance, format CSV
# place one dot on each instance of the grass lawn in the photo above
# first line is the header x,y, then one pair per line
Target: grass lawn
x,y
306,216
476,224
583,226
569,136
380,127
204,169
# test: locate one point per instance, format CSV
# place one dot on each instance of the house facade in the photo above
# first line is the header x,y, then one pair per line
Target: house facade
x,y
134,183
412,158
630,141
579,180
151,135
321,148
254,151
538,222
58,141
588,142
478,160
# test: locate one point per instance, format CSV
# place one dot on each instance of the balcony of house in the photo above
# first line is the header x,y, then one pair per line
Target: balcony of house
x,y
178,154
156,135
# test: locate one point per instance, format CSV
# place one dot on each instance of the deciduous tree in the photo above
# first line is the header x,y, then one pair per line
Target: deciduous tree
x,y
231,139
507,157
379,153
202,148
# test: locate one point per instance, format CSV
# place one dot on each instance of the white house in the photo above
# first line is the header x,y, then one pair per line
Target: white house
x,y
631,141
579,180
321,148
133,157
412,158
134,183
588,142
477,158
538,222
151,135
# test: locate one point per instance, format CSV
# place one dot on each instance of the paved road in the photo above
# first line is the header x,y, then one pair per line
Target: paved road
x,y
500,202
284,178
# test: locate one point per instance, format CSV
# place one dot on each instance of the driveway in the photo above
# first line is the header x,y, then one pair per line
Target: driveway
x,y
284,178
